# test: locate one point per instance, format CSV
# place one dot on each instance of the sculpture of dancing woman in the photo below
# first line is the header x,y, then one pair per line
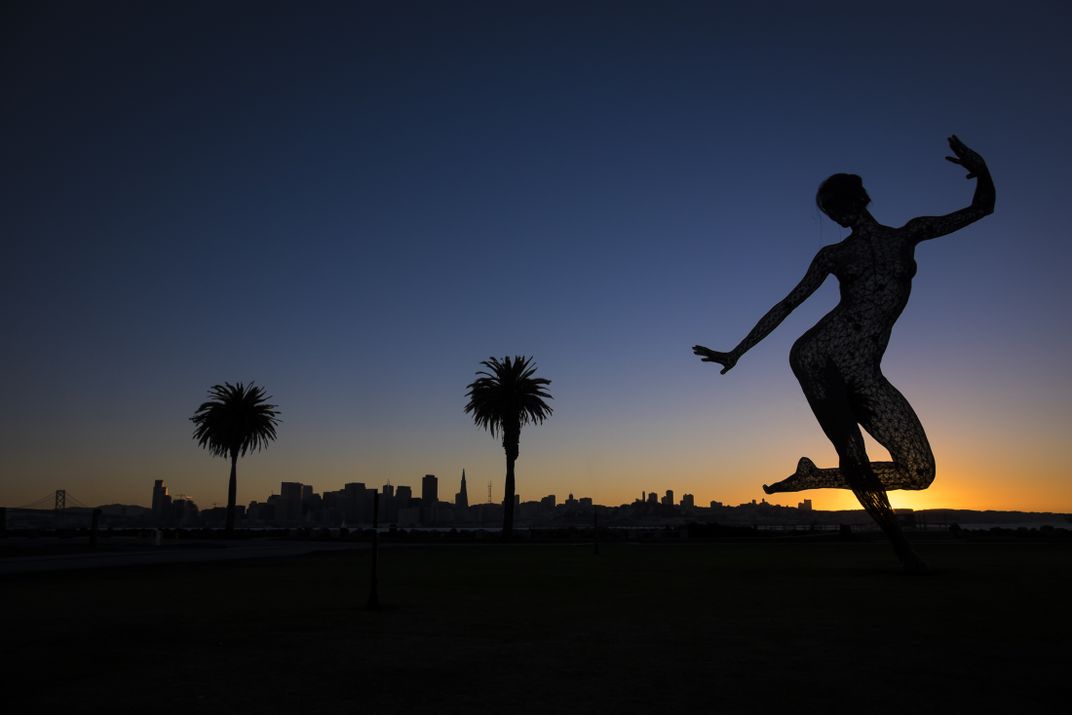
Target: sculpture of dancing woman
x,y
838,360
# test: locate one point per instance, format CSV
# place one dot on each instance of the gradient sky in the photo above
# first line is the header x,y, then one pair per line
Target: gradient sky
x,y
353,204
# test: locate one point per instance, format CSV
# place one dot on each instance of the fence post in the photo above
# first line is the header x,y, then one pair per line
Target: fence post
x,y
374,596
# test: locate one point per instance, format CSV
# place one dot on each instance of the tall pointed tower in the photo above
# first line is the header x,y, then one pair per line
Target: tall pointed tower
x,y
461,499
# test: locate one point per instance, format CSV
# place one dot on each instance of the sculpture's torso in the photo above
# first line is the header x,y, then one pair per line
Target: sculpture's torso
x,y
874,267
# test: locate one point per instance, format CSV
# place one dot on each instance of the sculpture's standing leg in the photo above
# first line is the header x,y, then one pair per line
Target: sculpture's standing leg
x,y
857,470
832,403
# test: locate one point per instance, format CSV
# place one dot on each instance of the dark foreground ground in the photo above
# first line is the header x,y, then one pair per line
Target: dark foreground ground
x,y
719,627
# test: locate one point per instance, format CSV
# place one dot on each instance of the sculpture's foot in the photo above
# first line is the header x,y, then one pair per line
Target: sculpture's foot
x,y
797,481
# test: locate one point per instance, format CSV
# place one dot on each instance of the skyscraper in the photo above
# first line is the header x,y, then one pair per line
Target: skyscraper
x,y
290,502
429,500
161,501
461,499
429,490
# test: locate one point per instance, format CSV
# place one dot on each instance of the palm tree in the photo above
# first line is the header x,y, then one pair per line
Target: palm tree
x,y
503,398
236,420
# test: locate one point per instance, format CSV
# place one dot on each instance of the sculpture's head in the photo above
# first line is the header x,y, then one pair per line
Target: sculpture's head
x,y
842,197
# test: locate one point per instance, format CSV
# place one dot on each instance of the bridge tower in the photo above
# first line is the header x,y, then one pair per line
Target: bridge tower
x,y
60,505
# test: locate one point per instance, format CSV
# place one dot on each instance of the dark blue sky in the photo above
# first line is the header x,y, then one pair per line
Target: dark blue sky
x,y
355,203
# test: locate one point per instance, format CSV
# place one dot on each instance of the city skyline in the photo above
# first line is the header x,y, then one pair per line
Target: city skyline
x,y
660,496
461,497
395,506
324,202
330,513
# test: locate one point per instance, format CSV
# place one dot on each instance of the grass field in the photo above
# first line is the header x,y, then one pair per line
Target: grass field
x,y
722,627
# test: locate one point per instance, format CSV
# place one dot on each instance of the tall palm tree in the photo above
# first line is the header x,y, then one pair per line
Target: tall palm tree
x,y
503,398
236,420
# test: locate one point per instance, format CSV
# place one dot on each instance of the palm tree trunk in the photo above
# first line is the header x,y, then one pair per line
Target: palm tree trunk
x,y
508,499
232,494
512,445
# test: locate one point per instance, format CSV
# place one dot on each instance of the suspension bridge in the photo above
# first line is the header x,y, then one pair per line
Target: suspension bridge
x,y
56,509
56,501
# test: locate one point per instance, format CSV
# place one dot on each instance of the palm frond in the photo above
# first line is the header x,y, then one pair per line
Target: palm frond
x,y
506,395
237,419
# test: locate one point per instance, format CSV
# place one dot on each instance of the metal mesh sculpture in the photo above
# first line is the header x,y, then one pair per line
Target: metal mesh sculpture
x,y
837,362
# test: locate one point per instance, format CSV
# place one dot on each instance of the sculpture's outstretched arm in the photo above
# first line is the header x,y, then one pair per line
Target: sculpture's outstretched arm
x,y
927,227
819,269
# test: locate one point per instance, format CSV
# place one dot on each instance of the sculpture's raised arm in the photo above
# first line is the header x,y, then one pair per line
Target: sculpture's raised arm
x,y
927,227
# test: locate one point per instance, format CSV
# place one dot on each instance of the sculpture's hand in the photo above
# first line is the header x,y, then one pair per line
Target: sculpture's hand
x,y
966,157
726,360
